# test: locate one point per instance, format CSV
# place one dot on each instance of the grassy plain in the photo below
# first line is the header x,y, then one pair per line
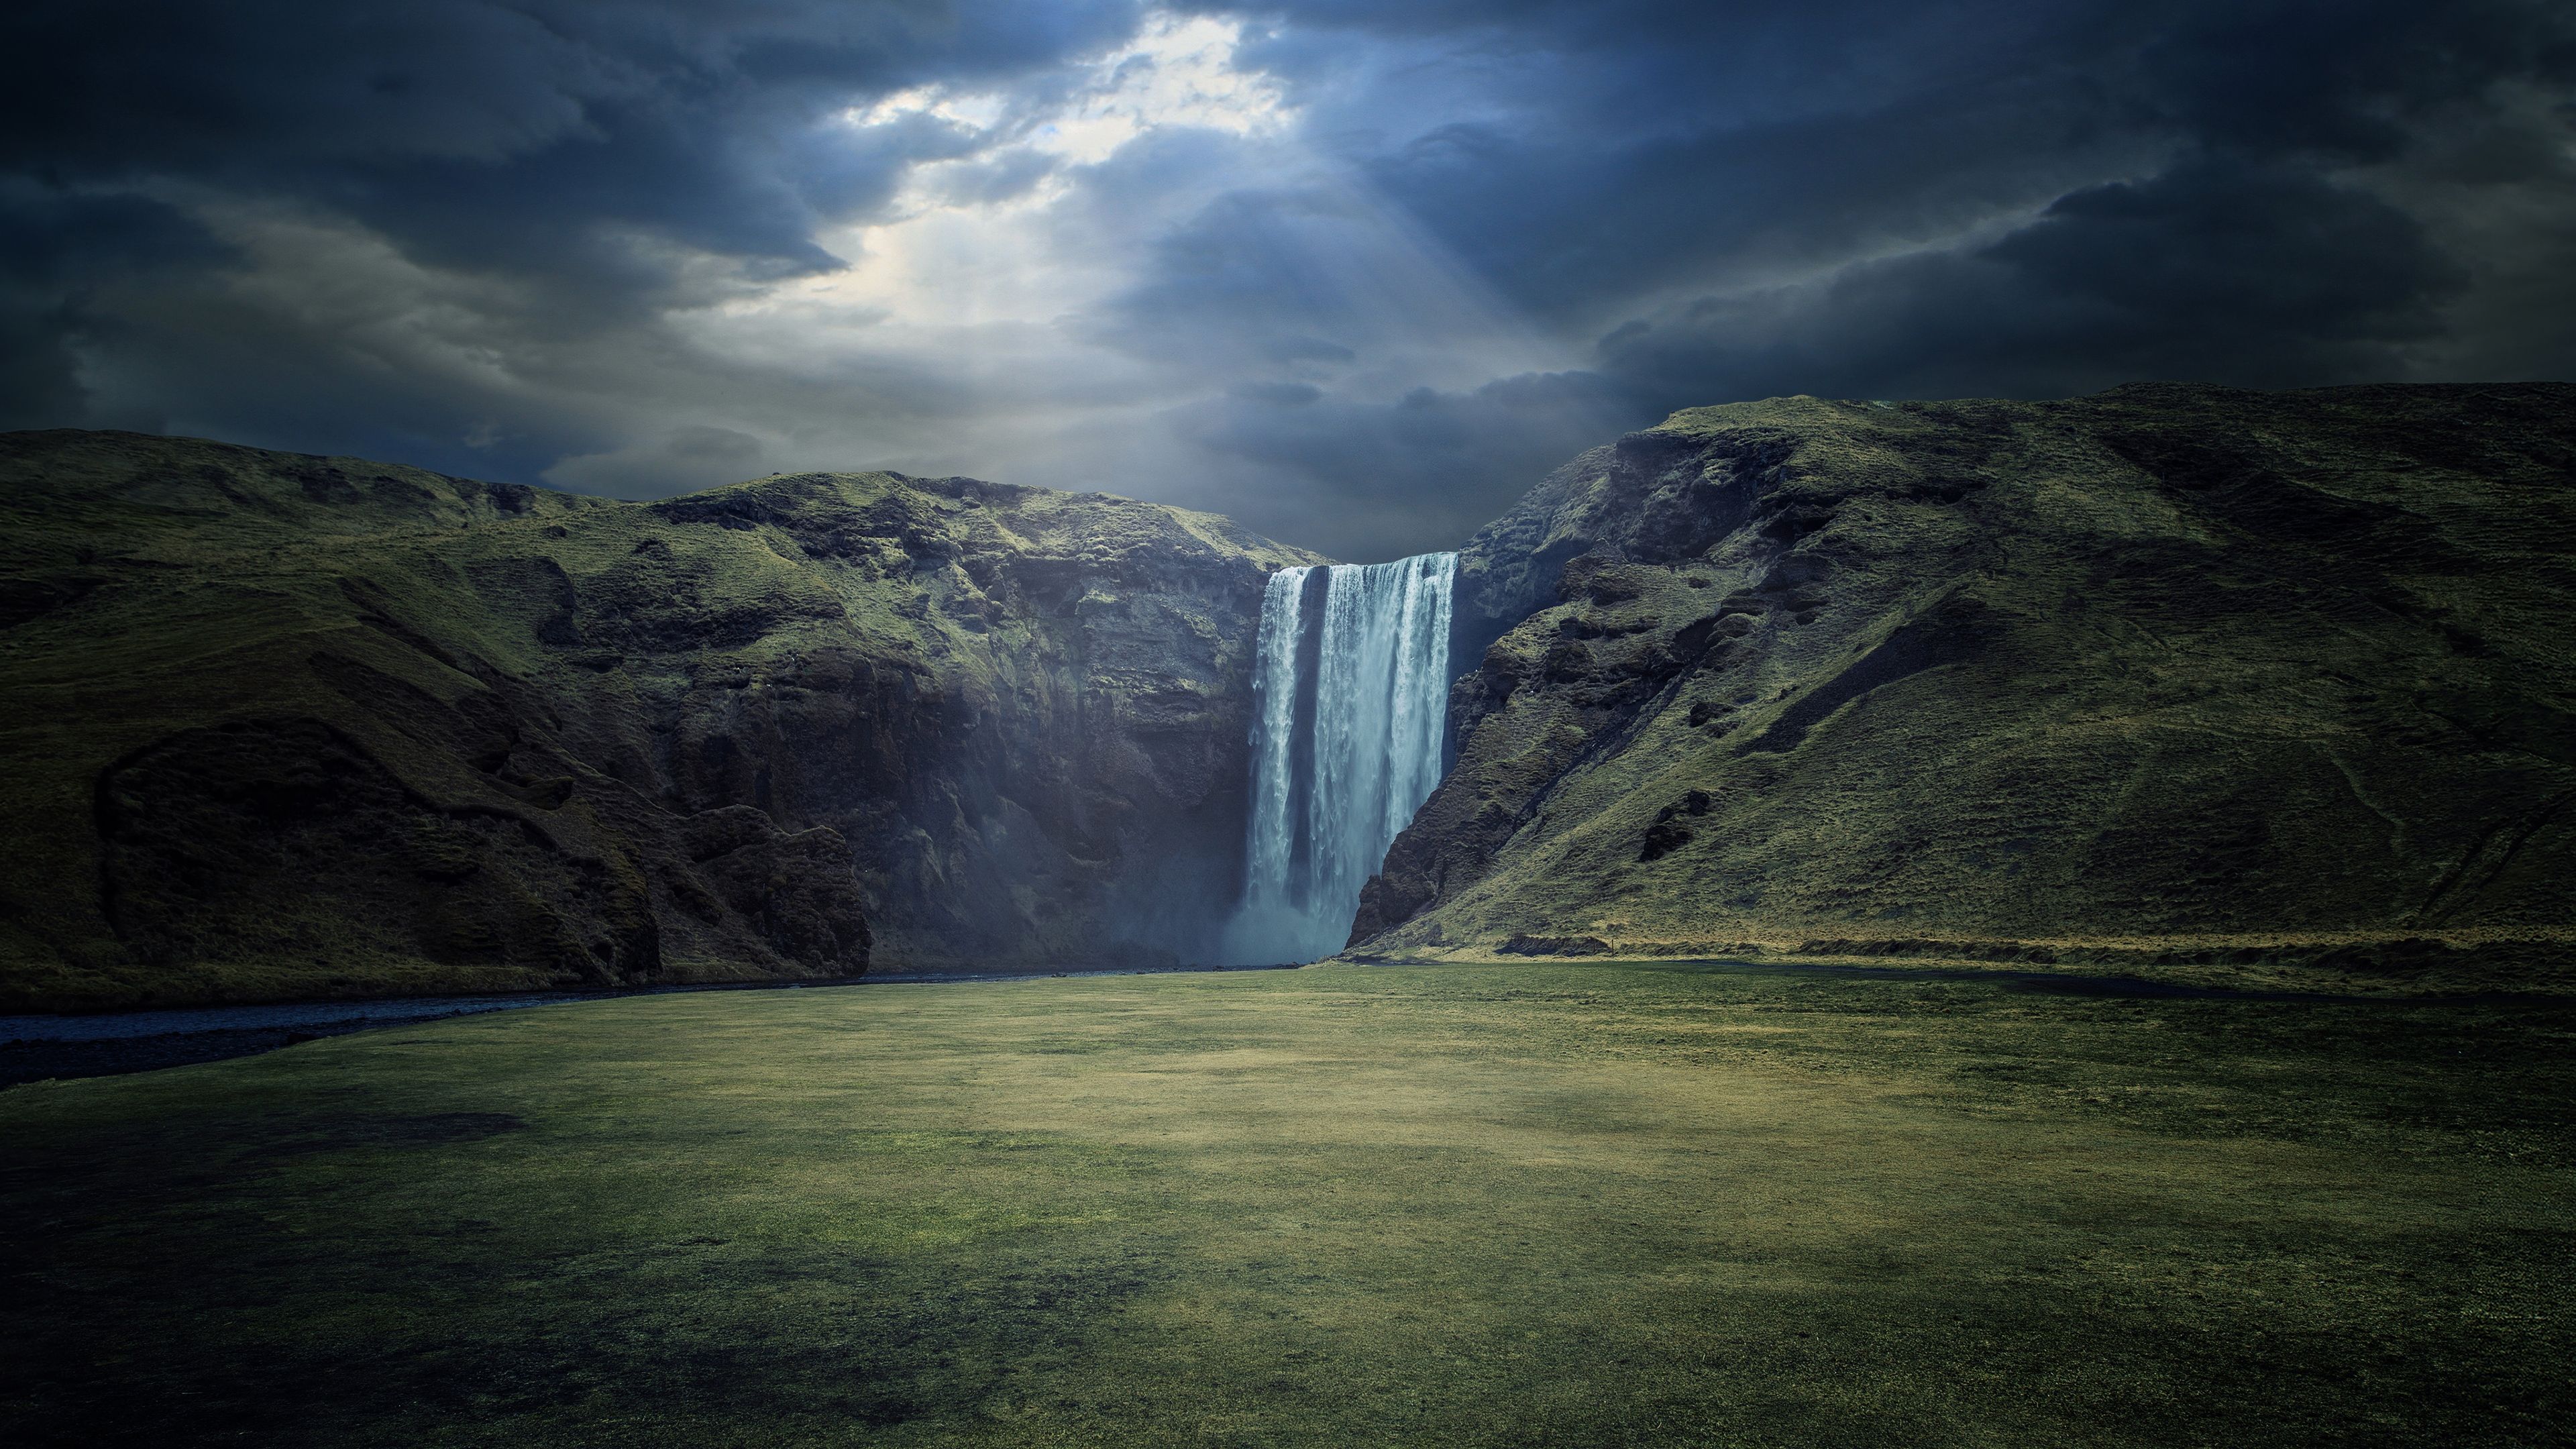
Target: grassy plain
x,y
1588,1204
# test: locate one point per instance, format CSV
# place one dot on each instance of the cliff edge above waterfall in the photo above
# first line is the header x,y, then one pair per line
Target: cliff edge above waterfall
x,y
2172,674
280,725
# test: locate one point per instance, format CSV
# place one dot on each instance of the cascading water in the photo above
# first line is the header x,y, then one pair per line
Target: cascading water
x,y
1353,683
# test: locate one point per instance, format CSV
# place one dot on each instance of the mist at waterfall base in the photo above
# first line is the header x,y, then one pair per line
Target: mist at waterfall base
x,y
1351,683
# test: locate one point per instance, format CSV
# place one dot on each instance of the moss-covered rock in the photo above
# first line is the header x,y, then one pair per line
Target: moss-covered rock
x,y
2159,673
2170,675
279,726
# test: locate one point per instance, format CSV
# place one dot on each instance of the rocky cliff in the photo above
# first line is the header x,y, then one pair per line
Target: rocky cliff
x,y
281,725
2172,673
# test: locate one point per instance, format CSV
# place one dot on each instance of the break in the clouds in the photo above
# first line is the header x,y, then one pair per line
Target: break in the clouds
x,y
1355,273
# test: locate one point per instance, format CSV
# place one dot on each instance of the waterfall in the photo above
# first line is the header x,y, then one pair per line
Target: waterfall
x,y
1352,678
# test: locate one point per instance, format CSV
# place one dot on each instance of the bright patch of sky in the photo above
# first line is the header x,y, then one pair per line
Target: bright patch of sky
x,y
1176,72
974,240
1025,277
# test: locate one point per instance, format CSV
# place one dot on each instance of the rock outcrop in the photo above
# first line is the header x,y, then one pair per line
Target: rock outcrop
x,y
287,726
2169,670
2168,674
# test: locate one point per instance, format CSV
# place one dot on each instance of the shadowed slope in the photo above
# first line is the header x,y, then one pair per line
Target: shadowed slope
x,y
2172,669
281,725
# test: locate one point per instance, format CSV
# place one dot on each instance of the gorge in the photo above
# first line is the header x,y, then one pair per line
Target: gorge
x,y
2162,676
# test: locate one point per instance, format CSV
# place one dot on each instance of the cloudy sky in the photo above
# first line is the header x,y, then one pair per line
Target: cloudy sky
x,y
1355,271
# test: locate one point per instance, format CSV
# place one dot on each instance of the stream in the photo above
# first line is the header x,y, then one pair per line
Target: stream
x,y
35,1048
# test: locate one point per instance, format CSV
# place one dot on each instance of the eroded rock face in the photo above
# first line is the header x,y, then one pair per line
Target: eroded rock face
x,y
291,726
2167,663
282,840
1031,718
2175,665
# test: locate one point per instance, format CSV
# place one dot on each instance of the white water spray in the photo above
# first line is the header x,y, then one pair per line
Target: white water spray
x,y
1352,677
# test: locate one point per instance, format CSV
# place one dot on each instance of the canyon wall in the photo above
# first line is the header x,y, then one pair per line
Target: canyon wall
x,y
281,725
2176,671
2167,674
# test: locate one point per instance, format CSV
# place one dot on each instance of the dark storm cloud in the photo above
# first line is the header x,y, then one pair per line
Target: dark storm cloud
x,y
1683,143
506,134
564,239
266,85
2214,270
2025,200
53,249
1430,467
570,157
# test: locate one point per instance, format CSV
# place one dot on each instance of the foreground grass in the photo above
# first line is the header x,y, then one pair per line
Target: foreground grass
x,y
1586,1205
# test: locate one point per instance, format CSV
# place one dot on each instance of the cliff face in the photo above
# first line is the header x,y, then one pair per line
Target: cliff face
x,y
2178,671
282,725
2175,667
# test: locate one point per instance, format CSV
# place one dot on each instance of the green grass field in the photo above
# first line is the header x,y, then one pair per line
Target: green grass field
x,y
1599,1204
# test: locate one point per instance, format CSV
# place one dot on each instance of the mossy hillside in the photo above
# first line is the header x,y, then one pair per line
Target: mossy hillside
x,y
160,587
2167,675
1036,738
1578,1204
432,734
